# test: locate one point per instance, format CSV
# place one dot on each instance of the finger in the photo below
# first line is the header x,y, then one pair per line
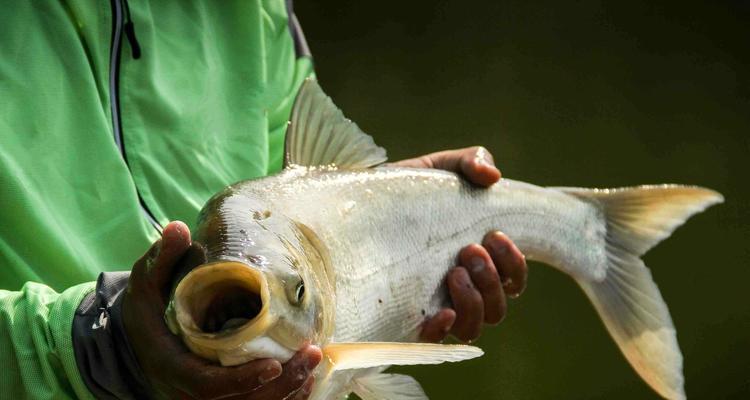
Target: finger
x,y
294,376
206,380
477,261
468,304
304,392
475,163
509,261
164,252
193,257
175,241
265,378
145,302
141,267
436,328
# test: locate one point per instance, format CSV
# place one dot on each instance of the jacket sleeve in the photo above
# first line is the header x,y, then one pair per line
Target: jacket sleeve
x,y
68,345
36,347
107,363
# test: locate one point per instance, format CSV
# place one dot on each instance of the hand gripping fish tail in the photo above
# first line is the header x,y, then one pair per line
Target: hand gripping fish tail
x,y
348,254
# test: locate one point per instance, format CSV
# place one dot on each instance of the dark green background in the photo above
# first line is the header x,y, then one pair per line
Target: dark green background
x,y
581,93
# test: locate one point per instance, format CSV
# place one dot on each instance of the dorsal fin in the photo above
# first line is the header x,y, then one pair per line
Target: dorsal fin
x,y
319,134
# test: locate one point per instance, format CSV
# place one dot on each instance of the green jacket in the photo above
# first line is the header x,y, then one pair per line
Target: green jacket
x,y
98,148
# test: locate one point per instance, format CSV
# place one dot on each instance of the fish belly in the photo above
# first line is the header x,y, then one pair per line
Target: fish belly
x,y
393,234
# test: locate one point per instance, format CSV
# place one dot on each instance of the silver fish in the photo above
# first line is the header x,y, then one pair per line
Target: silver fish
x,y
348,255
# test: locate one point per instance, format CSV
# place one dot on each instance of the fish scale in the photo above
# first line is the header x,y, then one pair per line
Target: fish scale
x,y
412,263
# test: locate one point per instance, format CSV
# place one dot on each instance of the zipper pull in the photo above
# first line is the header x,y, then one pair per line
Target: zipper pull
x,y
130,31
130,34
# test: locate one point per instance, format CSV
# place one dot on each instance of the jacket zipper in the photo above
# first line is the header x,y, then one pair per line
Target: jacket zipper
x,y
118,22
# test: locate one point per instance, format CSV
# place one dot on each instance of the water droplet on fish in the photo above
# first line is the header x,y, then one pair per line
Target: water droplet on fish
x,y
245,238
257,259
368,192
347,207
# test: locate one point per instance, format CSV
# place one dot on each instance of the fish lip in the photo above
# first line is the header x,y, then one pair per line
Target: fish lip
x,y
199,282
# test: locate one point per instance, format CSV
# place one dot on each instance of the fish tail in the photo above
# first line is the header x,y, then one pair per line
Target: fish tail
x,y
627,299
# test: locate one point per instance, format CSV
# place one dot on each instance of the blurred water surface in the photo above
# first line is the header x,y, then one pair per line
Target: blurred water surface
x,y
582,93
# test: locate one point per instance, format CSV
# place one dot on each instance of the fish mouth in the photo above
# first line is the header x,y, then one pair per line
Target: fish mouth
x,y
222,304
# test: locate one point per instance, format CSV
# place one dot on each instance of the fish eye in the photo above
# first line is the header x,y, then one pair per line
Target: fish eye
x,y
300,292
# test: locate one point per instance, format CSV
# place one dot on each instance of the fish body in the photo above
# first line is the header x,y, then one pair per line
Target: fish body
x,y
391,235
352,258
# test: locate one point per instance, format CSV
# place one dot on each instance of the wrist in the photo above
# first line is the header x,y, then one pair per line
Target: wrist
x,y
105,359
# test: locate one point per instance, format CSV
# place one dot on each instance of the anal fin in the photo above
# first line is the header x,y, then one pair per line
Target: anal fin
x,y
388,387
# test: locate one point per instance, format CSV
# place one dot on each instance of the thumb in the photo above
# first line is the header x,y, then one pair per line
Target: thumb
x,y
175,241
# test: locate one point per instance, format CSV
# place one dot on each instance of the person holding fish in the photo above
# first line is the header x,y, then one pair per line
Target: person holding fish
x,y
118,118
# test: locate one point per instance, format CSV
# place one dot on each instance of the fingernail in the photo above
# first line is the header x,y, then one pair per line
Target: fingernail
x,y
500,248
306,388
312,362
483,157
477,264
270,374
447,328
467,282
172,233
506,281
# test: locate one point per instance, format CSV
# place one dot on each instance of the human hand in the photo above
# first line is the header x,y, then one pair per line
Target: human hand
x,y
486,273
171,369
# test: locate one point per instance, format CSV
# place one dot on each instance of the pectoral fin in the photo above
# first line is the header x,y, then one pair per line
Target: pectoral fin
x,y
388,387
319,134
377,354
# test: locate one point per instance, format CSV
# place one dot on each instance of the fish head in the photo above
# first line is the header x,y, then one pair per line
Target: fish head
x,y
263,291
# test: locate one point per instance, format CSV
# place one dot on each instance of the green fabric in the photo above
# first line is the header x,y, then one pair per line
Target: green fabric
x,y
206,105
35,343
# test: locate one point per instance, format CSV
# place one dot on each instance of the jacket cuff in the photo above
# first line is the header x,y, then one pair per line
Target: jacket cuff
x,y
105,360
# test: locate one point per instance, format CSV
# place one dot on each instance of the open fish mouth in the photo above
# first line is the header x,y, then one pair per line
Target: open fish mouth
x,y
221,303
227,306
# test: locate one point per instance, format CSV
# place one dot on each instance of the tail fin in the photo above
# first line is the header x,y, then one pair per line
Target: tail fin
x,y
627,299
